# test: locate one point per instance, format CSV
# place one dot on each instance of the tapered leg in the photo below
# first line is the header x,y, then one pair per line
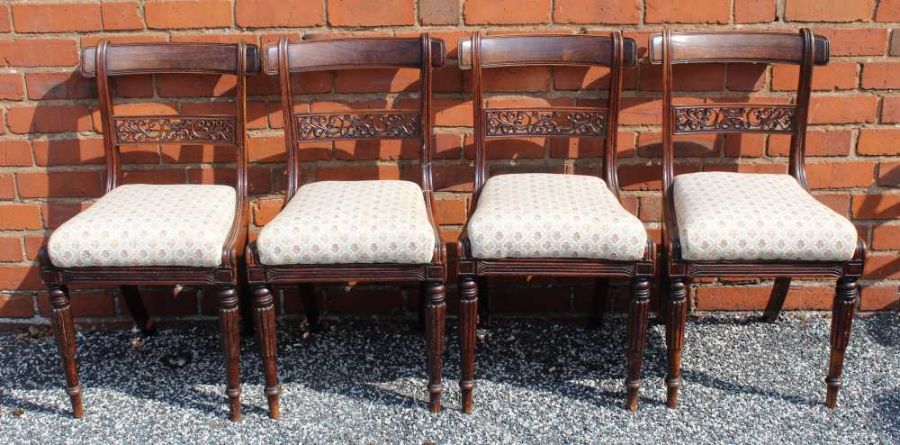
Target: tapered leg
x,y
310,306
637,337
845,298
64,329
229,318
468,313
601,303
268,345
435,317
676,319
132,297
484,303
776,300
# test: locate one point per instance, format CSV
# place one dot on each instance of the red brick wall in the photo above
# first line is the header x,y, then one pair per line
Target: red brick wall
x,y
51,154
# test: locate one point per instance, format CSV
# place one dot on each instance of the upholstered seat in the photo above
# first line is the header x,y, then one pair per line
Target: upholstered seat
x,y
148,225
740,216
347,222
545,215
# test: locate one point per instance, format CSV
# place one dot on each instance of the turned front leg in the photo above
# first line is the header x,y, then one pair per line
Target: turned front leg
x,y
638,311
435,317
845,298
64,330
468,315
676,319
229,319
268,346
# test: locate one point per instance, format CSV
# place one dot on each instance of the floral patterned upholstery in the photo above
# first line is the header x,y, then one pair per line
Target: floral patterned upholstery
x,y
341,222
741,216
545,215
148,225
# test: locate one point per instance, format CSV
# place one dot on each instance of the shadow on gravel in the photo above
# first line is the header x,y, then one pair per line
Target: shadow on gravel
x,y
884,332
887,411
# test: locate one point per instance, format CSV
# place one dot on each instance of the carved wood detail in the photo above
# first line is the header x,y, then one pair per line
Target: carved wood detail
x,y
575,122
353,125
175,129
734,118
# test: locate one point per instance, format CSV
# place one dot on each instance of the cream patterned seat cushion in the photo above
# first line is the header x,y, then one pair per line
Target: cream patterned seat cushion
x,y
347,222
743,216
148,225
546,215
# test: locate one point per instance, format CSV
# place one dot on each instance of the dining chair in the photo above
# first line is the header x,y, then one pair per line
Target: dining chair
x,y
146,234
352,231
723,224
550,224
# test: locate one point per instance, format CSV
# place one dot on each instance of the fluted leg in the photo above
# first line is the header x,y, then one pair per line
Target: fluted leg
x,y
845,298
776,300
637,337
601,303
435,317
268,346
132,297
64,329
676,319
468,313
229,318
310,306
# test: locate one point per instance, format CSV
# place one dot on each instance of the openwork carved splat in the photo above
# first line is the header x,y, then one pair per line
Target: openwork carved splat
x,y
352,125
540,122
174,129
735,118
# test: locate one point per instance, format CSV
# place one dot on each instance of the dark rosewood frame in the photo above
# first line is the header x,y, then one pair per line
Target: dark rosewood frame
x,y
802,49
106,61
285,58
615,52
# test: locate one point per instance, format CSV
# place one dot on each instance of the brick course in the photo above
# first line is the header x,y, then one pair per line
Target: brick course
x,y
51,154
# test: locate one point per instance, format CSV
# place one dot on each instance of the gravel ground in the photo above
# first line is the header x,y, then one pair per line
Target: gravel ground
x,y
745,382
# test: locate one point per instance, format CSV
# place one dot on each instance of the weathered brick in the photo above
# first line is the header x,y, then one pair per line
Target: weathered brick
x,y
618,12
840,174
279,13
15,153
888,11
695,11
38,52
11,87
59,17
59,86
818,143
876,206
59,184
843,109
186,14
48,118
363,13
438,12
886,237
754,11
10,249
835,76
20,217
121,16
878,141
881,76
889,174
14,306
856,41
831,11
500,12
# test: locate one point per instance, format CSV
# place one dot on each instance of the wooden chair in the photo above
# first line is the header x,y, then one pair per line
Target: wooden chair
x,y
140,234
737,224
362,231
591,234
